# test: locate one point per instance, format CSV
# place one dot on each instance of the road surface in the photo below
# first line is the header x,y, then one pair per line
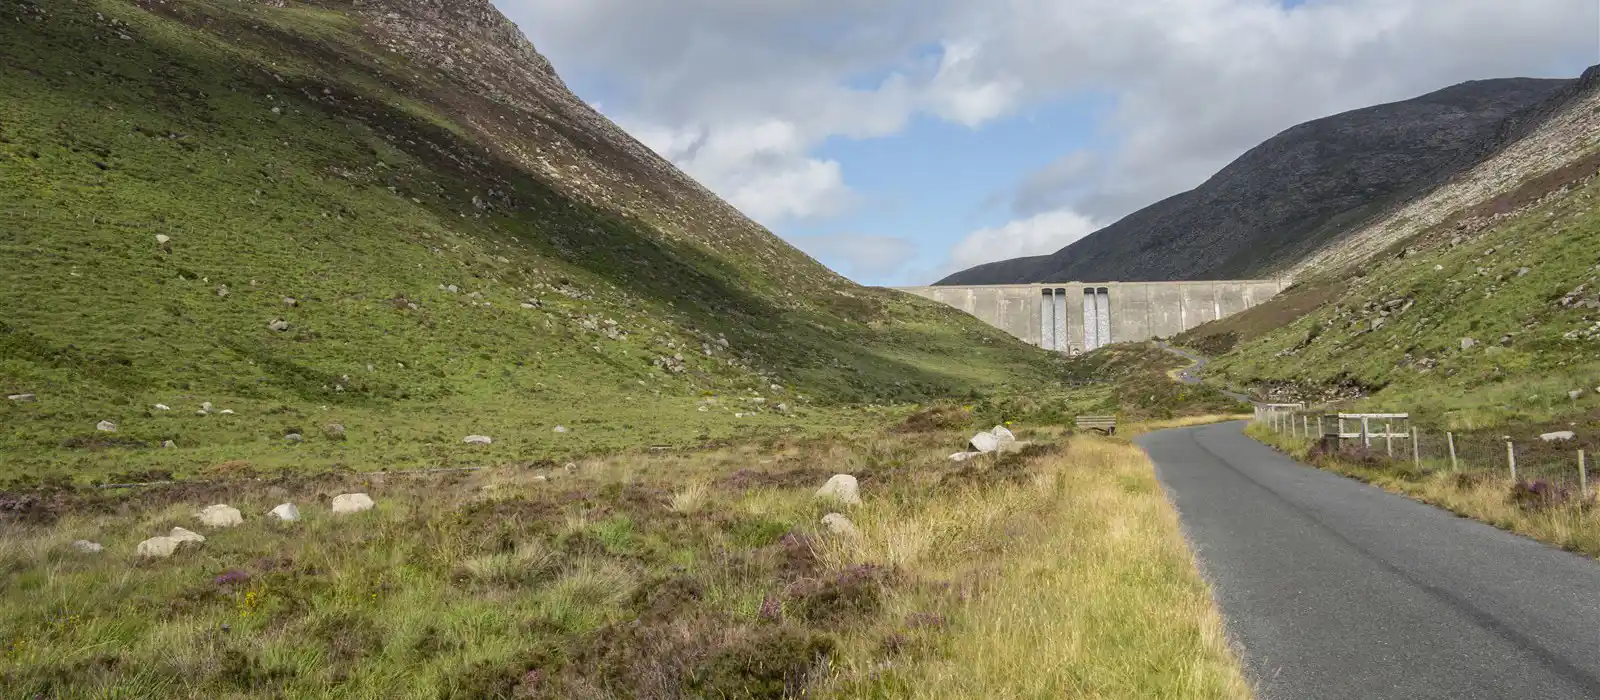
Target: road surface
x,y
1336,590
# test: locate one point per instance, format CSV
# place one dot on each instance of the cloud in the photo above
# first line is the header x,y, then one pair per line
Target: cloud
x,y
1036,235
743,93
864,257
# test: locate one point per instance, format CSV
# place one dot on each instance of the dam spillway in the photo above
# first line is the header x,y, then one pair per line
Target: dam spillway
x,y
1076,317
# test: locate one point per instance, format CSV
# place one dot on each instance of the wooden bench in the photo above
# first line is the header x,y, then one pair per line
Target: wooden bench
x,y
1104,424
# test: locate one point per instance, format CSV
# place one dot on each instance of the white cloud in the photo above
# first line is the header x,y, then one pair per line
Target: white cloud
x,y
863,257
741,93
1036,235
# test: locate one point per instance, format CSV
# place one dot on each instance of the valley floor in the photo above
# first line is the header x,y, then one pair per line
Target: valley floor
x,y
1057,571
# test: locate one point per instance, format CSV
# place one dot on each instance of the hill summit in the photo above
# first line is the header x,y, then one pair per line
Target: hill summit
x,y
1301,191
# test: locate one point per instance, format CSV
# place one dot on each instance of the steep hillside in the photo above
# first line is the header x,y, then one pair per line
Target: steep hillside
x,y
1299,191
1490,318
391,215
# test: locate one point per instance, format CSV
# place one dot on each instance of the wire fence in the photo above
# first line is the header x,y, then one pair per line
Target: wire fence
x,y
1554,462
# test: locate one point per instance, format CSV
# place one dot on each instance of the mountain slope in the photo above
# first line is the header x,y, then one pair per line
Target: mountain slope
x,y
453,243
1297,192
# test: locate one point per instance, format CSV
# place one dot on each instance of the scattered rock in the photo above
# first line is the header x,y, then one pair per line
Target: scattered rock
x,y
478,440
158,547
964,456
1523,271
294,437
222,291
106,426
206,407
169,445
226,412
87,547
286,513
842,488
352,503
278,325
1003,435
22,398
840,525
220,516
1467,343
984,442
1575,394
162,407
183,535
1558,436
163,240
333,431
561,429
782,407
291,302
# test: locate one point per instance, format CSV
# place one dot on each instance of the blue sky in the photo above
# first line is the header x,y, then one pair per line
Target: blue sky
x,y
900,140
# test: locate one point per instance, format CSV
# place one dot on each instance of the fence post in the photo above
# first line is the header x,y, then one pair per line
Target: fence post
x,y
1366,435
1305,427
1452,438
1388,439
1583,477
1416,452
1320,431
1511,458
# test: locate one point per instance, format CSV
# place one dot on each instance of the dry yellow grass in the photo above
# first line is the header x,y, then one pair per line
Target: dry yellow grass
x,y
1482,496
1081,586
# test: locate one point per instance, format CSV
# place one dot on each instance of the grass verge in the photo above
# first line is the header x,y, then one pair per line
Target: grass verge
x,y
1055,571
1557,516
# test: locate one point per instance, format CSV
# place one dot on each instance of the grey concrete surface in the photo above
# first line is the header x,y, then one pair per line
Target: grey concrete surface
x,y
1336,590
1056,317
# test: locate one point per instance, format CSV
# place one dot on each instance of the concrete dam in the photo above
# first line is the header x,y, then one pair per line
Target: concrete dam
x,y
1076,317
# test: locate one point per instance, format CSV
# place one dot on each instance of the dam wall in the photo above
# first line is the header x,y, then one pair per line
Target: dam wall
x,y
1076,317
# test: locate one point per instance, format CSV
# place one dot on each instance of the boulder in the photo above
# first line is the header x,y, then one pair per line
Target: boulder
x,y
1575,394
168,445
220,516
106,426
291,302
205,407
158,547
1467,343
294,437
278,325
87,547
1003,435
183,535
287,513
840,525
561,428
842,488
162,407
964,456
163,240
984,442
478,440
333,431
1558,436
22,398
352,503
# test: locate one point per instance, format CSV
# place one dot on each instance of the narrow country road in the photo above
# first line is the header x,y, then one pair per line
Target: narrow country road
x,y
1337,590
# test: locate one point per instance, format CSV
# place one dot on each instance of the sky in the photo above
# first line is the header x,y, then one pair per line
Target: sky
x,y
898,141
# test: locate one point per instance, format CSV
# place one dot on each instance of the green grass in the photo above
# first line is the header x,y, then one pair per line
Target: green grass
x,y
598,583
356,199
1503,288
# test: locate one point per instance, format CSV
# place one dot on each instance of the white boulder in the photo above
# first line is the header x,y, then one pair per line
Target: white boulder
x,y
220,516
984,442
1003,435
167,445
162,407
352,503
964,456
1558,436
87,547
163,239
287,513
22,398
478,440
158,547
842,488
183,535
840,525
106,426
561,428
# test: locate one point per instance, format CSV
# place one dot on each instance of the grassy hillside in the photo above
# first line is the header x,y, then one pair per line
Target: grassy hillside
x,y
1490,319
433,279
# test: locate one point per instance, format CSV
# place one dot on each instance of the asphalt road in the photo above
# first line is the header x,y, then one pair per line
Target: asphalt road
x,y
1334,589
